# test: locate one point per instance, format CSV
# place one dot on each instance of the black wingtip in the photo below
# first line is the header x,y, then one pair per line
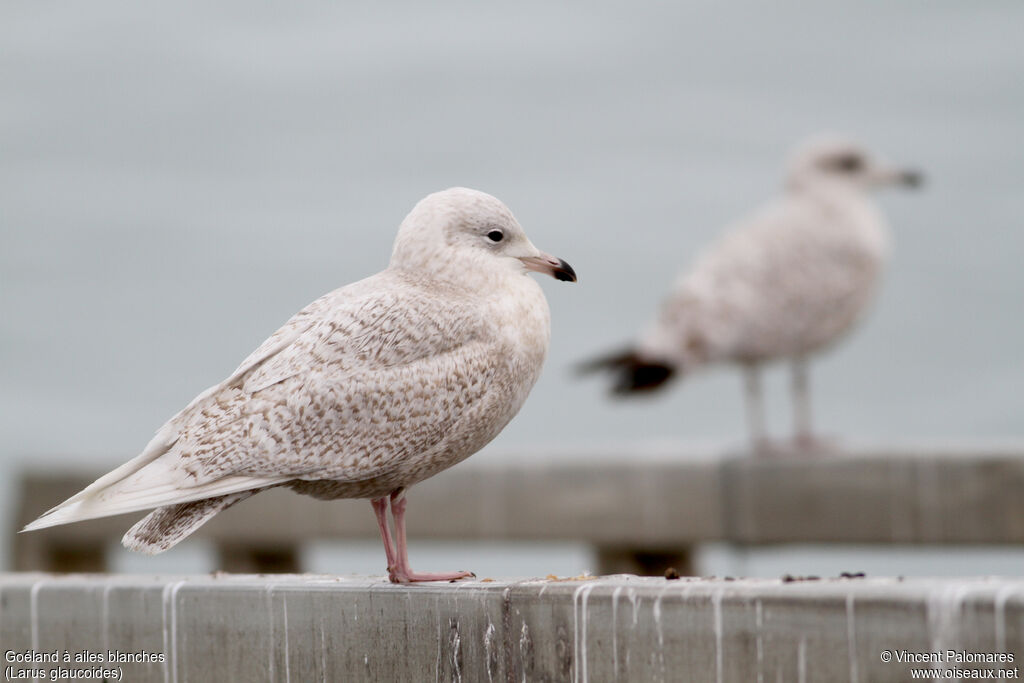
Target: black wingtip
x,y
642,376
632,374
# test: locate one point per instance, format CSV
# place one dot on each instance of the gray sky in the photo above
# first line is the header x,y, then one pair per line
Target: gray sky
x,y
177,180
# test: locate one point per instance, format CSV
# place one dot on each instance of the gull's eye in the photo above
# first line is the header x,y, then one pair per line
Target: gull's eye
x,y
495,235
849,163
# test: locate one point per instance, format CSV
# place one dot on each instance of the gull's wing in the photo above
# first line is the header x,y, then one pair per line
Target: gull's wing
x,y
791,276
326,396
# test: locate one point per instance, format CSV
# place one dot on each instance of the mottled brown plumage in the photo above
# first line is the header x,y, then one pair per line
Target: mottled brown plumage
x,y
362,394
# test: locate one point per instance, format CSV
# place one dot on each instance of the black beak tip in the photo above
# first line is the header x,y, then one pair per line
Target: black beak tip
x,y
912,178
564,272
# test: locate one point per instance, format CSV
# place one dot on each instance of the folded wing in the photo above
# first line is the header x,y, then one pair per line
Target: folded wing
x,y
325,397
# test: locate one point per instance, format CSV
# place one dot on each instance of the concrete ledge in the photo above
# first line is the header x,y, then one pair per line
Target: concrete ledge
x,y
322,628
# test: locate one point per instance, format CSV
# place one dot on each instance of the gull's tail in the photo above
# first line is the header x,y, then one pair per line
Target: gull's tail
x,y
154,480
631,373
164,527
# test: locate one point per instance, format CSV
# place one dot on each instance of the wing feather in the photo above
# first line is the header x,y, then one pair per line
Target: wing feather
x,y
316,400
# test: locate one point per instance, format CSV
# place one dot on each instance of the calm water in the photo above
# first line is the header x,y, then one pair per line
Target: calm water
x,y
177,180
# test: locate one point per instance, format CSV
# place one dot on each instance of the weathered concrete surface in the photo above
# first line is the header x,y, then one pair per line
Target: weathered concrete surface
x,y
322,628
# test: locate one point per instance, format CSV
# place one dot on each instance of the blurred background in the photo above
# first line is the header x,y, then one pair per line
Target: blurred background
x,y
177,180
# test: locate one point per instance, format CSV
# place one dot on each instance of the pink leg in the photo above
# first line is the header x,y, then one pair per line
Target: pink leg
x,y
380,509
401,572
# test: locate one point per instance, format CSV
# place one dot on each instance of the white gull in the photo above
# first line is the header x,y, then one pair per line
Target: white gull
x,y
365,392
783,284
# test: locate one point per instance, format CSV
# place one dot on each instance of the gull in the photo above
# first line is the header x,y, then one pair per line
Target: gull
x,y
784,284
365,392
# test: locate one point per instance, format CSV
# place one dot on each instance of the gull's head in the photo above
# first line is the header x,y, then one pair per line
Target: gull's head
x,y
830,161
461,235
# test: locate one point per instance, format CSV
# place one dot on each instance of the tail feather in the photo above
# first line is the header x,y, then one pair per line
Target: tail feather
x,y
154,486
631,372
165,527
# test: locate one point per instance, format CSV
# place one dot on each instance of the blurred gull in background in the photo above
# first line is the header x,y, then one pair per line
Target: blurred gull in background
x,y
784,284
370,389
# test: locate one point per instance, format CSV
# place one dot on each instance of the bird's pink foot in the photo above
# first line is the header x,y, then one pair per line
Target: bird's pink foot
x,y
764,447
813,444
408,576
800,446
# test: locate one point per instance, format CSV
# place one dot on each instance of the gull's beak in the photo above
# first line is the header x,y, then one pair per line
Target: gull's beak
x,y
911,178
555,267
898,176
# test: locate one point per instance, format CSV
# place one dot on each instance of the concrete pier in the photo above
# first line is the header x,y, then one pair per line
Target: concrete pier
x,y
326,628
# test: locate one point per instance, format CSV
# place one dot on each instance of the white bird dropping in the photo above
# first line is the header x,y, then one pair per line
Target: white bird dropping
x,y
368,390
784,284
